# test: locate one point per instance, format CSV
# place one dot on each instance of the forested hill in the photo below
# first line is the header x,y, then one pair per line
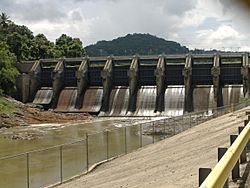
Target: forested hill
x,y
142,44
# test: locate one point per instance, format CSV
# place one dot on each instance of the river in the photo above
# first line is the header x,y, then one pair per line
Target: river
x,y
44,167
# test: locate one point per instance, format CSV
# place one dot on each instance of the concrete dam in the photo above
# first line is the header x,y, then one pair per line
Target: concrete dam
x,y
135,85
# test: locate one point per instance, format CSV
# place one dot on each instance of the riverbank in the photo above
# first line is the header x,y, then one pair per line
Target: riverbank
x,y
14,113
173,162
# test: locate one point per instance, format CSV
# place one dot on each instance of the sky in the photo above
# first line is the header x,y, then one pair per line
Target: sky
x,y
202,24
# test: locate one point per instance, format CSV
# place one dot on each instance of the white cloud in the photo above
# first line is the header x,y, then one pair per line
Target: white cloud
x,y
192,18
224,37
226,33
74,25
93,20
245,48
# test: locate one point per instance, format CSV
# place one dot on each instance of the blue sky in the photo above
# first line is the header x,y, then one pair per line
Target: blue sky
x,y
205,24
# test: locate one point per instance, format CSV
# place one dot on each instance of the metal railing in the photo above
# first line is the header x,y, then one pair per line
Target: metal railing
x,y
229,160
54,165
220,173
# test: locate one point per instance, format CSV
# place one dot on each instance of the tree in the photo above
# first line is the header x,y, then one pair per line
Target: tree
x,y
18,38
20,29
76,48
4,20
41,47
20,45
70,47
14,41
8,72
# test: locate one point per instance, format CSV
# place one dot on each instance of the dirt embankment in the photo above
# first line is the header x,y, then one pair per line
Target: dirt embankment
x,y
35,116
24,115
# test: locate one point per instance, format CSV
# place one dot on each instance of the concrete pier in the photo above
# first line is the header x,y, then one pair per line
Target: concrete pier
x,y
58,81
160,74
82,81
215,71
133,75
107,79
245,74
187,74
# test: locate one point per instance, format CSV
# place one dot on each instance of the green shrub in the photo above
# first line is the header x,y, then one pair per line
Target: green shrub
x,y
8,71
6,106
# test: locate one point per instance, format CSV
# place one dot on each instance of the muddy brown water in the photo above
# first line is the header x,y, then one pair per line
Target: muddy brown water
x,y
45,166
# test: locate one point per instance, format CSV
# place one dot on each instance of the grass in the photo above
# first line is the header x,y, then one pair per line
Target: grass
x,y
6,106
243,99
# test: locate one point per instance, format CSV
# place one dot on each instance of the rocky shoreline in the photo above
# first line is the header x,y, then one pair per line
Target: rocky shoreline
x,y
24,115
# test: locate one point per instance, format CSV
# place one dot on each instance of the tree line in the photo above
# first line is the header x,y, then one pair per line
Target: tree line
x,y
18,43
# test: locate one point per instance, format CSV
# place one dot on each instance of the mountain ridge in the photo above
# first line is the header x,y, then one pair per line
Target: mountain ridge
x,y
137,43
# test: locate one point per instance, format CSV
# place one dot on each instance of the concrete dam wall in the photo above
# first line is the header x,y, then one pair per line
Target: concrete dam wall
x,y
137,86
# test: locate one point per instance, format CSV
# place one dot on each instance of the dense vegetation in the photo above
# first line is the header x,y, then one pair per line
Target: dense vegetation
x,y
17,43
8,72
143,44
26,46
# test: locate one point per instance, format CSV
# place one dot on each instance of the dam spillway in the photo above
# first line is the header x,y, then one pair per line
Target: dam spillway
x,y
166,85
43,96
203,98
232,94
67,100
92,100
174,101
119,98
145,105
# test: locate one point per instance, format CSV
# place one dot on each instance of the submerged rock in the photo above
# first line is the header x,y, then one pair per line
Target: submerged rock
x,y
23,136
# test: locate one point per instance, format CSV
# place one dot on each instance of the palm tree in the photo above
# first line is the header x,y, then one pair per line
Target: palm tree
x,y
4,20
